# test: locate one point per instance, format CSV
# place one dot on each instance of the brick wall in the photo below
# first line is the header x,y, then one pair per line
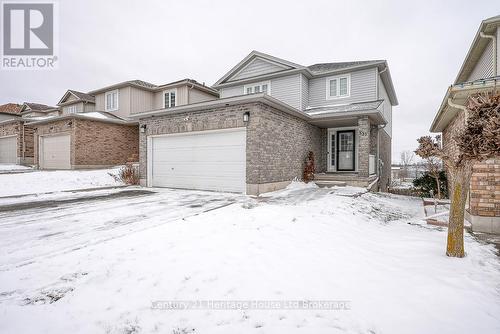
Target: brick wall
x,y
94,143
364,146
99,143
277,143
484,199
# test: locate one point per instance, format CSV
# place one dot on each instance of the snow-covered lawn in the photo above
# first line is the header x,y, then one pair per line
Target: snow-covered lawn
x,y
50,181
113,258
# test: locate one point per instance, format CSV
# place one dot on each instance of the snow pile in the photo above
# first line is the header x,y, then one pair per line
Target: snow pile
x,y
12,168
51,181
297,244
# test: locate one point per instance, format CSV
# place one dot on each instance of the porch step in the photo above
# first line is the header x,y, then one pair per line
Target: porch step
x,y
343,179
328,184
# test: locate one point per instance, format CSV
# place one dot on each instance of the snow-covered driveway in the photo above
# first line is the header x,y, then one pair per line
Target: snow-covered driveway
x,y
302,243
33,228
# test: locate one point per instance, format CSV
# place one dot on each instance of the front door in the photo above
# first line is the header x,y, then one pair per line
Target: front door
x,y
346,150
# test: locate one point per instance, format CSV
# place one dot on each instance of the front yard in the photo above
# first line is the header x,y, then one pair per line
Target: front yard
x,y
94,262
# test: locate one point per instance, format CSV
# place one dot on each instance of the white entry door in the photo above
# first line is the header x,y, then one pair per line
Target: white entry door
x,y
205,160
54,152
346,150
8,150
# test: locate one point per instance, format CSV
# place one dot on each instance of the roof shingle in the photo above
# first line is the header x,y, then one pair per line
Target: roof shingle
x,y
10,108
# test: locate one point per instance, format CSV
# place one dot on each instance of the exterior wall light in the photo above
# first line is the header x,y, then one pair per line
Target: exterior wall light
x,y
143,128
246,117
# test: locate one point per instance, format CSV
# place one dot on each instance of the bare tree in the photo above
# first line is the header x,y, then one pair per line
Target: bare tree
x,y
432,163
477,141
407,158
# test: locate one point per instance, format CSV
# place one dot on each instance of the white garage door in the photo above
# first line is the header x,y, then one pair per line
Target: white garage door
x,y
206,160
55,152
8,150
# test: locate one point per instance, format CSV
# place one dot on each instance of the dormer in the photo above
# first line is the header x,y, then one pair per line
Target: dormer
x,y
74,102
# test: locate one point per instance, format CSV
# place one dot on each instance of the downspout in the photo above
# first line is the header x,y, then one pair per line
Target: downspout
x,y
24,145
494,45
189,91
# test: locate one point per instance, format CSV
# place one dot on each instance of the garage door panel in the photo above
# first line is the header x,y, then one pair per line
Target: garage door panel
x,y
205,161
55,152
8,150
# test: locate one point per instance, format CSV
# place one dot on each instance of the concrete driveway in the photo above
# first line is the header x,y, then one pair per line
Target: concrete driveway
x,y
35,227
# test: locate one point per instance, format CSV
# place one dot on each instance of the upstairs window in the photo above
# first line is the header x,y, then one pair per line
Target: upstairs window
x,y
71,109
111,100
338,87
261,87
170,98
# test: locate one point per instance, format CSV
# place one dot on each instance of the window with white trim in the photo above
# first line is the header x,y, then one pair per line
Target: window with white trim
x,y
111,100
170,98
261,87
338,87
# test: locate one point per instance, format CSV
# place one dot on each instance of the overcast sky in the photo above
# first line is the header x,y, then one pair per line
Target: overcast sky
x,y
104,42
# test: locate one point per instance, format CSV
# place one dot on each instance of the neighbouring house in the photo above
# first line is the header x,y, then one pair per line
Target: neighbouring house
x,y
38,110
74,102
95,129
479,73
16,138
271,113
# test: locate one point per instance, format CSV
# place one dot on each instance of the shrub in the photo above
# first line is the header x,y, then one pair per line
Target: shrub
x,y
129,174
427,184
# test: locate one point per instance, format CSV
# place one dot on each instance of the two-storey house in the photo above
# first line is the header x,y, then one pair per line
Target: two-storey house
x,y
479,74
271,113
95,130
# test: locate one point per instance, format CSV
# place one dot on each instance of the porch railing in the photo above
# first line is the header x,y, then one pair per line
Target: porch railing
x,y
371,164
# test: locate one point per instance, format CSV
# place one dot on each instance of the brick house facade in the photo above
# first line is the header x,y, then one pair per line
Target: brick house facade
x,y
484,196
94,143
277,142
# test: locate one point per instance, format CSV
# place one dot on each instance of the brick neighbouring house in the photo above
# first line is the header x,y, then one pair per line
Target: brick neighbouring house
x,y
16,137
479,73
85,140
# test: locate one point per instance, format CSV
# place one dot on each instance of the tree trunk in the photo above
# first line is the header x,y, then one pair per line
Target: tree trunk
x,y
460,186
438,186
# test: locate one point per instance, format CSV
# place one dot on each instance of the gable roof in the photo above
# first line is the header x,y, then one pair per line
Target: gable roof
x,y
78,95
10,108
254,55
477,48
37,107
320,69
134,83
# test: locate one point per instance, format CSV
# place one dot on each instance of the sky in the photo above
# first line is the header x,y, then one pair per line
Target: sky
x,y
105,42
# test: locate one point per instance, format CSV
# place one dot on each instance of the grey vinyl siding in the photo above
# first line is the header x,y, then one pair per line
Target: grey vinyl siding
x,y
140,100
484,66
256,68
196,96
231,91
288,89
386,107
180,99
79,107
304,92
123,102
88,107
363,89
498,50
